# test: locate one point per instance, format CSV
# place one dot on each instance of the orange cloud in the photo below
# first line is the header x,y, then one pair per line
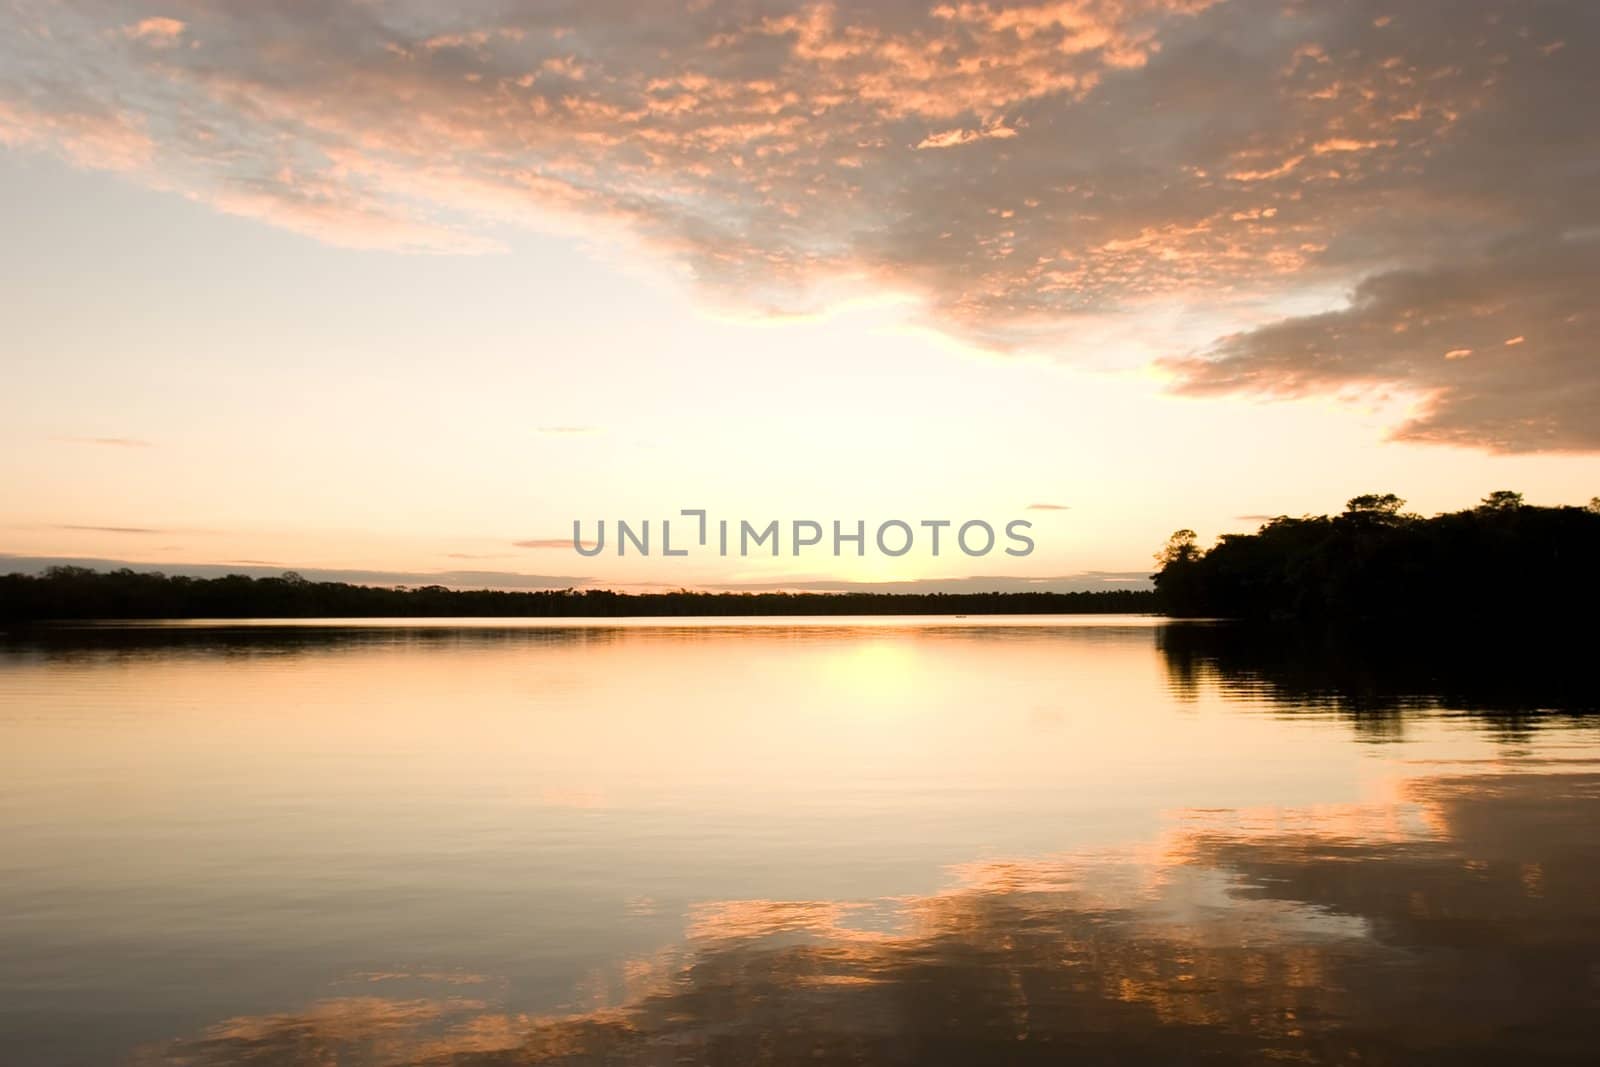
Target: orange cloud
x,y
1015,166
1274,935
156,30
1396,325
956,137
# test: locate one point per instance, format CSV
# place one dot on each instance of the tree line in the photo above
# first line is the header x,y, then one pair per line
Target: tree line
x,y
1502,558
66,593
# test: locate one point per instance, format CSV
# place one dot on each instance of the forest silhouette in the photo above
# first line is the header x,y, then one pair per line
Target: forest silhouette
x,y
78,593
1504,558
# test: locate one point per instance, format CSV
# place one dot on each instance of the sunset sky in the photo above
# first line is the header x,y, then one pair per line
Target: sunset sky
x,y
398,290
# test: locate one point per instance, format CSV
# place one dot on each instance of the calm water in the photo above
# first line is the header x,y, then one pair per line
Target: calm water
x,y
962,841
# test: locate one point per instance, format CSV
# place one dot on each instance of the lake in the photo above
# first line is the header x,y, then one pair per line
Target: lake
x,y
889,840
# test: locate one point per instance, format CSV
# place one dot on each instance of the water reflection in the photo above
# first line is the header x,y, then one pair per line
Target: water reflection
x,y
205,637
1377,675
89,644
1458,922
905,841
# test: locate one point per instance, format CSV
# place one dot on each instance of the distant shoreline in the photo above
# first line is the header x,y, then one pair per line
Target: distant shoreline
x,y
77,594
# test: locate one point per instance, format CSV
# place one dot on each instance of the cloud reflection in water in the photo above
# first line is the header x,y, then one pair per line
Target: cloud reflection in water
x,y
1457,922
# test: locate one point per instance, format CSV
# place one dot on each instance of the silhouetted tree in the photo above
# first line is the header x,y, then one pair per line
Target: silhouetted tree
x,y
1181,548
1501,500
1374,504
1176,581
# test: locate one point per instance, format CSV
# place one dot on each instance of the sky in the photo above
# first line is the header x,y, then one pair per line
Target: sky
x,y
397,291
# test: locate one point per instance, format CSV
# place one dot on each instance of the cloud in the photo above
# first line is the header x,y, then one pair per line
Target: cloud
x,y
93,136
1498,349
551,542
568,429
109,442
160,31
1015,167
1049,507
957,137
116,529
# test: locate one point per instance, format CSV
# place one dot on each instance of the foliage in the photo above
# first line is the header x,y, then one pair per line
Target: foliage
x,y
81,593
1374,561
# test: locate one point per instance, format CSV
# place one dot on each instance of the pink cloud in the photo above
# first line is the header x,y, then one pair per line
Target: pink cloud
x,y
1014,166
160,31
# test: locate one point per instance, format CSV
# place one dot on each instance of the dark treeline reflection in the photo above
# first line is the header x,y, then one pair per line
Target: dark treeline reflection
x,y
82,593
1376,673
156,642
70,642
1504,562
1458,923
